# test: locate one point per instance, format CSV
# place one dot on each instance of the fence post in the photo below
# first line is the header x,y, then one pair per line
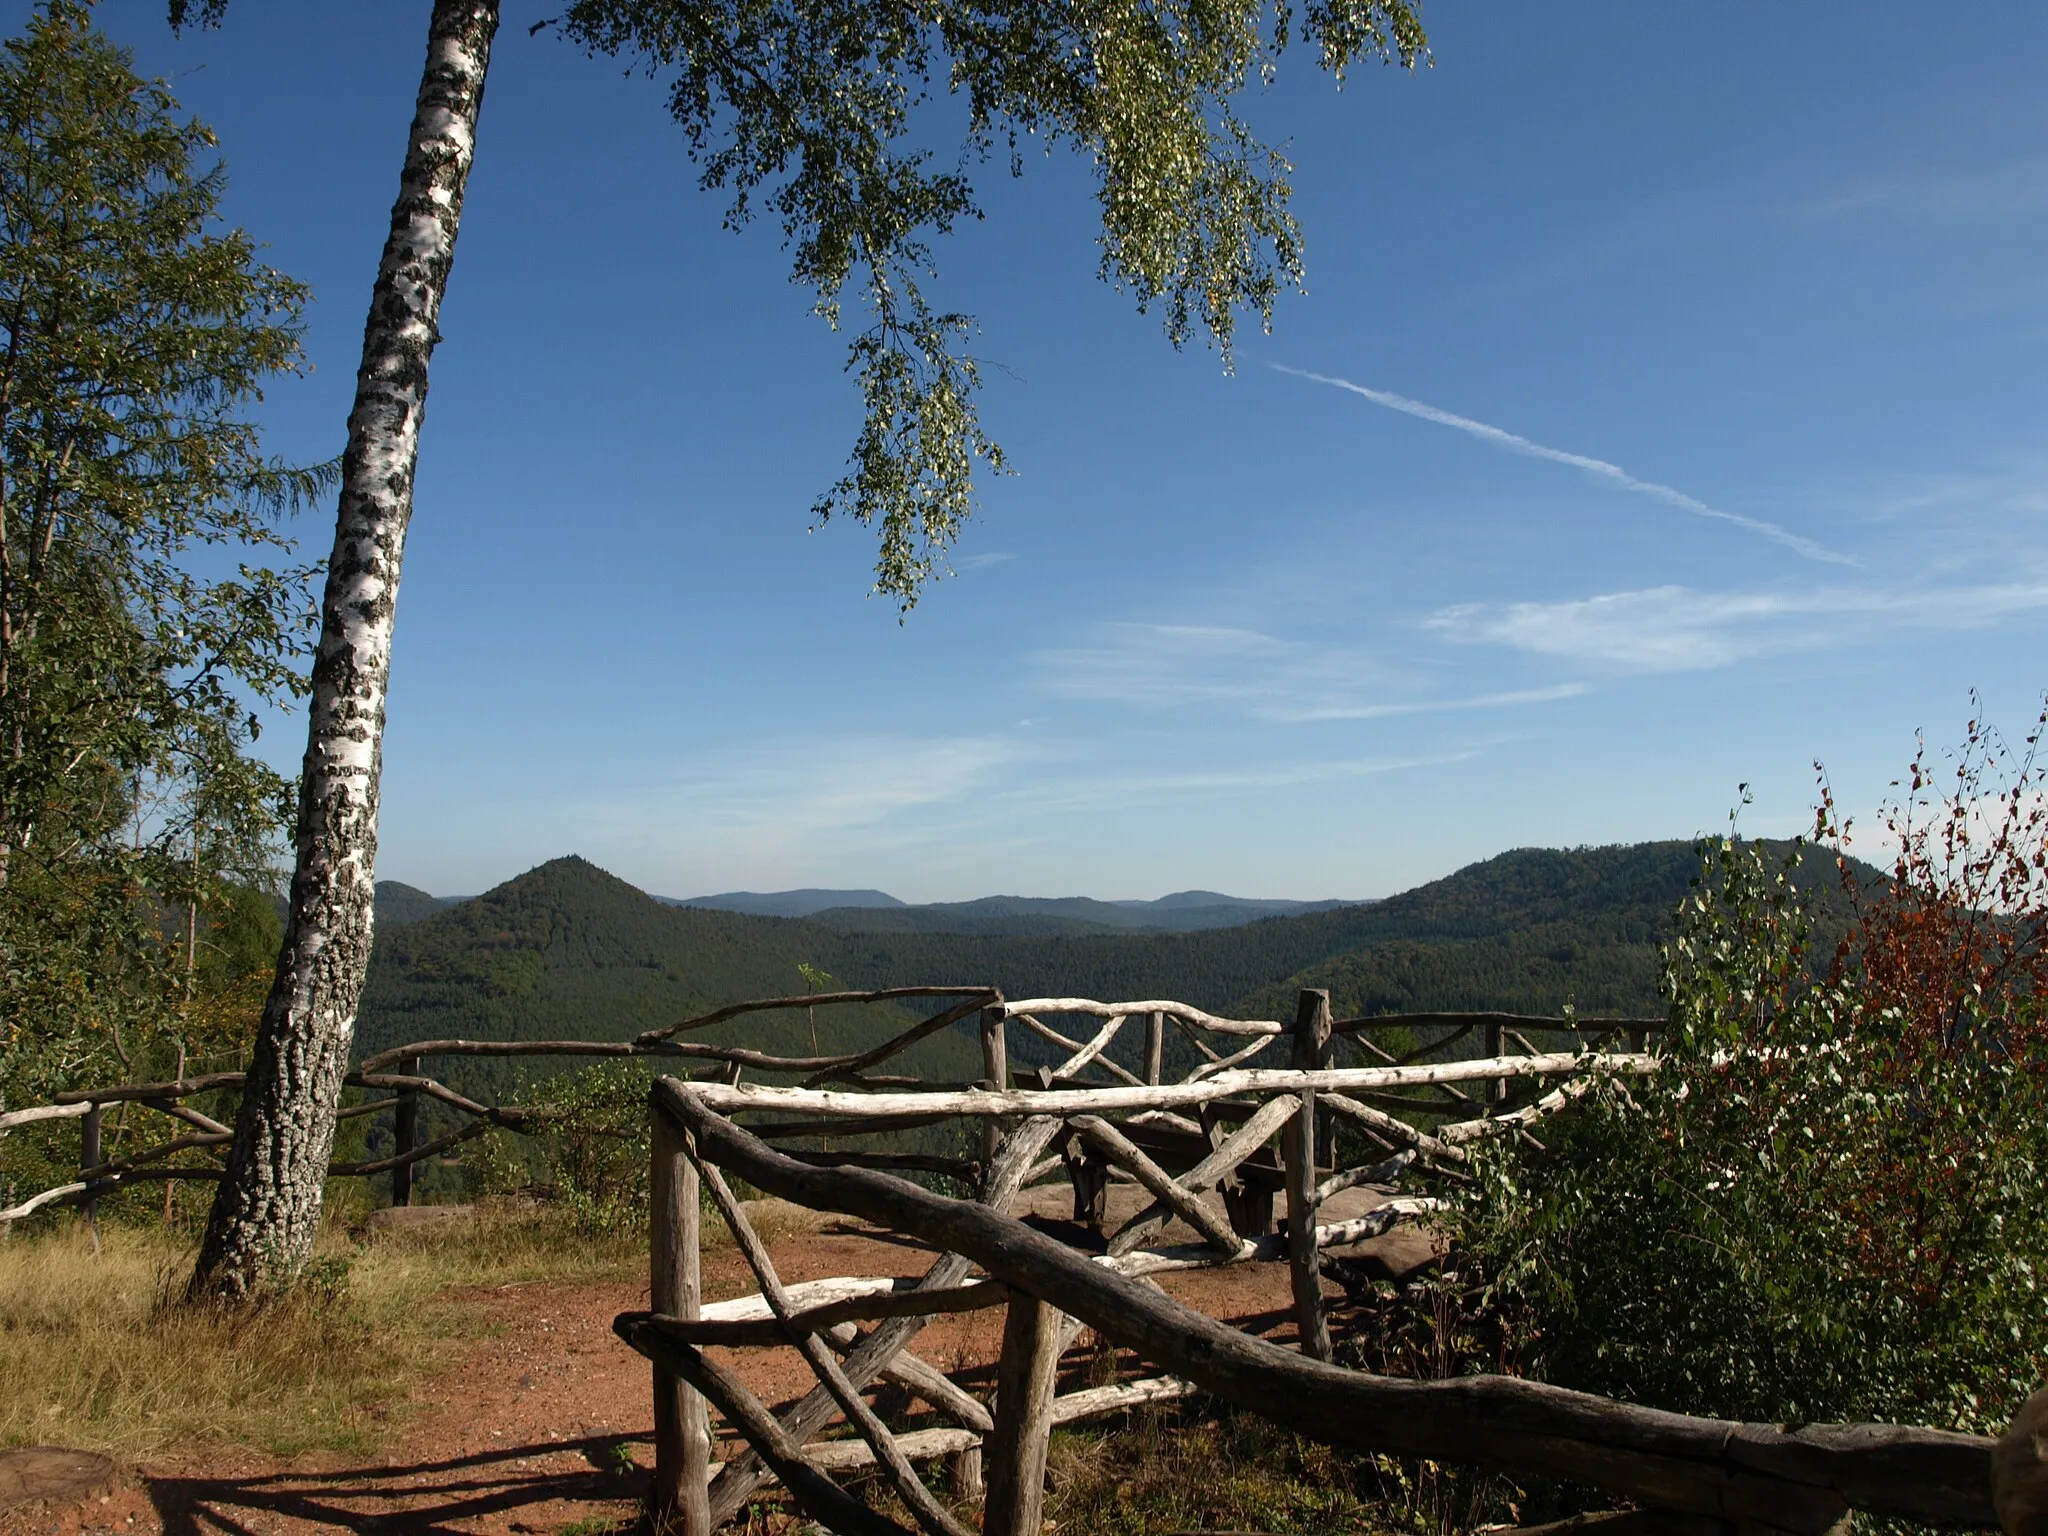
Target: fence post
x,y
405,1132
995,1066
88,1160
1025,1378
1495,1042
682,1434
1299,1144
1155,1046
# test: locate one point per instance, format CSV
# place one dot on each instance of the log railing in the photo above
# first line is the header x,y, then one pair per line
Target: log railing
x,y
1411,1109
1699,1473
399,1074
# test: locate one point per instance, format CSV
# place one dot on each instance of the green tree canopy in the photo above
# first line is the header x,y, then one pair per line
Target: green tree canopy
x,y
144,616
811,108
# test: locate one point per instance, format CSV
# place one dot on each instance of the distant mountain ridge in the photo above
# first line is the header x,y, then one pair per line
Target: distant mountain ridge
x,y
798,903
871,911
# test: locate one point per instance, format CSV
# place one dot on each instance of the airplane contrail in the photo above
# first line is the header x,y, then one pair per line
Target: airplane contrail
x,y
1599,469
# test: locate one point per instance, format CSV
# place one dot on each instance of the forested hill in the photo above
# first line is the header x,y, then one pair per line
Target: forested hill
x,y
1532,929
567,949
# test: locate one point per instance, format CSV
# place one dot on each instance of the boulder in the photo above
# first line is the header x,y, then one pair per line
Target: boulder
x,y
49,1474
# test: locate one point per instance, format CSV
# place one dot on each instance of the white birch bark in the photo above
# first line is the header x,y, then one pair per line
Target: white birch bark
x,y
268,1209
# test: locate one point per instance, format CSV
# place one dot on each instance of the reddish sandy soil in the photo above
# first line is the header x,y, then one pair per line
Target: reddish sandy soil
x,y
521,1433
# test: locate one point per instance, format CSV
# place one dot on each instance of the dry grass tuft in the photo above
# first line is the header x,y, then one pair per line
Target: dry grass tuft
x,y
98,1351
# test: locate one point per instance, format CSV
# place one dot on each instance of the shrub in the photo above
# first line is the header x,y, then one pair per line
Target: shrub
x,y
1828,1204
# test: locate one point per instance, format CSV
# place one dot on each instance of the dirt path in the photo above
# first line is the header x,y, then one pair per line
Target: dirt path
x,y
545,1423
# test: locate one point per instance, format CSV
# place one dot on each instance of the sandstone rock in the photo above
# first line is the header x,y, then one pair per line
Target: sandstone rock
x,y
51,1475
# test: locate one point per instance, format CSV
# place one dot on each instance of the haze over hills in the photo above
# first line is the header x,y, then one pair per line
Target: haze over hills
x,y
879,912
799,903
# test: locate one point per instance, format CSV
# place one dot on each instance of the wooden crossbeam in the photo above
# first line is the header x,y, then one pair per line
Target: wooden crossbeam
x,y
1184,1202
1210,1172
929,1513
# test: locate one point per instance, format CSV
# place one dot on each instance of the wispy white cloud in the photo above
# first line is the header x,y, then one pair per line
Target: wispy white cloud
x,y
1599,469
807,786
1675,629
982,562
1185,666
1501,700
2013,188
1085,788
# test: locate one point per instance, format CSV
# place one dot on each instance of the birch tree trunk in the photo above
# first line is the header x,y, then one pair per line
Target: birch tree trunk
x,y
268,1209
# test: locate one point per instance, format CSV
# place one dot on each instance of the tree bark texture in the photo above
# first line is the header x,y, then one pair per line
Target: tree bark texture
x,y
268,1210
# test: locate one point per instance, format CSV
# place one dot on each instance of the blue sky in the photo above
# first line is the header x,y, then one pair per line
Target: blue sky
x,y
1698,434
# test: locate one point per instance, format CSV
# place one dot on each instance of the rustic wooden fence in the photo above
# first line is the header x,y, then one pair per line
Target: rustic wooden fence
x,y
399,1074
1091,1118
1690,1474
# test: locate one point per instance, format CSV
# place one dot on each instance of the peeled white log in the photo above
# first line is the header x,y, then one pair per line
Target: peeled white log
x,y
1235,1058
1496,1125
930,1444
35,1203
1072,1066
1384,1124
16,1117
1268,1249
805,1295
1193,1016
728,1099
918,1445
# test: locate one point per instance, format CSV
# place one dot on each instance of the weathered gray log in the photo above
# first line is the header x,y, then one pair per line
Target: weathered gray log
x,y
920,1377
995,1066
418,1154
1025,1378
1155,1045
964,1478
854,1125
189,1116
1386,1125
767,1331
1298,1151
815,1493
896,1045
41,1112
742,1474
1379,1173
1210,1171
1180,1011
917,1445
1463,1131
1272,1246
1047,1033
933,1516
176,1088
405,1135
807,1000
928,1444
966,1170
1096,1045
1795,1480
1236,1058
682,1437
1183,1202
